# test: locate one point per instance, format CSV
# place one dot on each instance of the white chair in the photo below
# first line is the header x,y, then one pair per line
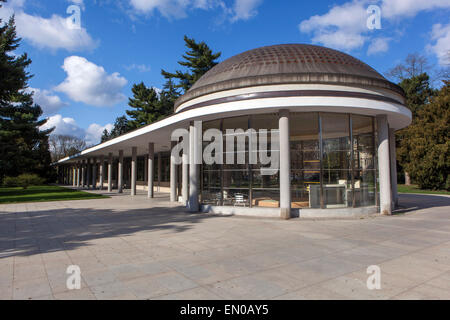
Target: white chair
x,y
239,199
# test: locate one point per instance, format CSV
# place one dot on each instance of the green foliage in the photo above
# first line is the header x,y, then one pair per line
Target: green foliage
x,y
120,127
146,106
24,180
198,60
427,143
23,147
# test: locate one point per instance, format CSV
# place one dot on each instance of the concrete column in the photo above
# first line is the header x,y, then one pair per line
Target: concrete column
x,y
393,163
151,170
285,165
83,174
185,177
120,173
384,165
110,168
173,175
74,175
133,170
159,171
89,173
94,174
102,172
194,146
78,174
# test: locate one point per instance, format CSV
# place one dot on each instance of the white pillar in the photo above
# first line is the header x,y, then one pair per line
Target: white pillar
x,y
78,174
393,157
83,174
89,173
74,175
285,165
173,176
110,168
384,165
94,174
185,177
120,173
151,170
159,171
102,171
194,146
133,170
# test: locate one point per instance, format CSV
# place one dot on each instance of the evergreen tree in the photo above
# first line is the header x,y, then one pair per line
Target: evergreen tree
x,y
429,143
198,60
121,126
23,147
167,97
147,108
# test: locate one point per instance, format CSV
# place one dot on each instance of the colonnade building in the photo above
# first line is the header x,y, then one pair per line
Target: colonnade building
x,y
328,119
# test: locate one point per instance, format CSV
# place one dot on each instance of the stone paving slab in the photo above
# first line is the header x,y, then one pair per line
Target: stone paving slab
x,y
139,248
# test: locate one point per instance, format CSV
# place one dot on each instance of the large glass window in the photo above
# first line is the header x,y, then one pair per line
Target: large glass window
x,y
333,161
305,160
364,161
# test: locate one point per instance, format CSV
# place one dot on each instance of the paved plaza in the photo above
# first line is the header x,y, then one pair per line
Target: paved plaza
x,y
139,248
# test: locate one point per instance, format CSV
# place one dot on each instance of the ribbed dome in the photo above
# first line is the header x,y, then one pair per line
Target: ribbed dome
x,y
284,64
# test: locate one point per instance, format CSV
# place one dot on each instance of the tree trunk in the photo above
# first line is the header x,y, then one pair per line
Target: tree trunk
x,y
407,179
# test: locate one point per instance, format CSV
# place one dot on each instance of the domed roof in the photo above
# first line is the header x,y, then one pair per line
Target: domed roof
x,y
286,64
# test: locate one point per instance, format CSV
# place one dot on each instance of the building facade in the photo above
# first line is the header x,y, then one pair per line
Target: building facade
x,y
327,118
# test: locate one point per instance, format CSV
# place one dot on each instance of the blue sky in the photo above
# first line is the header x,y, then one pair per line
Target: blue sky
x,y
83,76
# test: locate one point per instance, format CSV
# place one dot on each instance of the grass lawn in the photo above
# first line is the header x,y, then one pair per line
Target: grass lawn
x,y
43,193
415,189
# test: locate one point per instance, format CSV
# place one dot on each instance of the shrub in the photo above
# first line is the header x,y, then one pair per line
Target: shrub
x,y
24,180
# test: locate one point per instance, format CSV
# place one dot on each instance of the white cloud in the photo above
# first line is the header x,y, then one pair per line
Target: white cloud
x,y
245,9
94,133
440,36
345,26
49,102
86,82
64,126
239,10
68,126
138,67
53,33
342,27
410,8
378,45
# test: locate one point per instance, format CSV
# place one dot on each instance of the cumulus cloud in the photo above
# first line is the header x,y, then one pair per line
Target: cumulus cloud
x,y
440,36
378,45
238,10
344,26
53,33
49,102
245,9
68,126
89,83
410,8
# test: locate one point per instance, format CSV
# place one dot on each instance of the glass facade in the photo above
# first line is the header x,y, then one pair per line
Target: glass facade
x,y
333,161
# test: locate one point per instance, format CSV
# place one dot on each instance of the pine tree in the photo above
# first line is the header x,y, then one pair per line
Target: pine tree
x,y
198,60
23,147
167,97
147,108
